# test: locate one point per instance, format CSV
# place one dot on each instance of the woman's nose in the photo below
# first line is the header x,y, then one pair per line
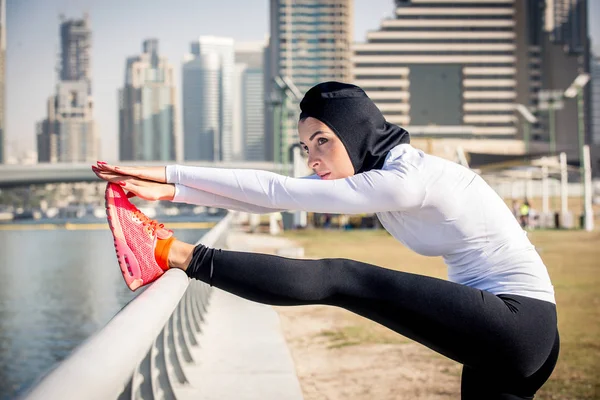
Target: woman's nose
x,y
313,162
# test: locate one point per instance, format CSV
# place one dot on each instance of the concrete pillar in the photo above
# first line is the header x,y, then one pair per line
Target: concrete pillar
x,y
547,220
529,183
566,218
587,184
513,190
545,194
300,217
254,222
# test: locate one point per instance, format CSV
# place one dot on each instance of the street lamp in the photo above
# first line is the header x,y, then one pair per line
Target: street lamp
x,y
576,90
577,85
530,119
551,100
287,91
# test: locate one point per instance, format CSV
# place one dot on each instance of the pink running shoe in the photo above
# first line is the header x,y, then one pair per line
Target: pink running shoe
x,y
135,236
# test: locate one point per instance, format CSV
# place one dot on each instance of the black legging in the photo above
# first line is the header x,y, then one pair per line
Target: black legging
x,y
508,344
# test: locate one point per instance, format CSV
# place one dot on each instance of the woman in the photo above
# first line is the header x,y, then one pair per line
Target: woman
x,y
496,315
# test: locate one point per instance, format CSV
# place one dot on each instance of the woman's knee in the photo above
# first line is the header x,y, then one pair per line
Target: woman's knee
x,y
325,278
342,279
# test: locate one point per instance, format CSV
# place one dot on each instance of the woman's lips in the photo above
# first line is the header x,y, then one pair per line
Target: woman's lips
x,y
324,176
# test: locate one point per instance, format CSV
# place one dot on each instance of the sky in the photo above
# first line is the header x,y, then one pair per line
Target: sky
x,y
118,29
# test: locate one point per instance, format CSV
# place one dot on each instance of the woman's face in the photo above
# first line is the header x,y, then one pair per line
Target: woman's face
x,y
327,156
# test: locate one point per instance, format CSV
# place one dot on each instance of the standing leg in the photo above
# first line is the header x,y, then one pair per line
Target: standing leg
x,y
477,385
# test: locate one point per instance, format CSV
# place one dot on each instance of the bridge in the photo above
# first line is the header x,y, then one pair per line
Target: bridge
x,y
22,175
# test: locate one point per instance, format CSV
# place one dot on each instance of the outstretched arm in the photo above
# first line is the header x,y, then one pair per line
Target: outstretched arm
x,y
368,192
184,194
153,190
190,195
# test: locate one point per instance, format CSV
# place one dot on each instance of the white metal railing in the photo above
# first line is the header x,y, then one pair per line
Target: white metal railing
x,y
534,189
143,351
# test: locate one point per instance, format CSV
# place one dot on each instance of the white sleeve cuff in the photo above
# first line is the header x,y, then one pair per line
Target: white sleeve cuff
x,y
181,194
172,174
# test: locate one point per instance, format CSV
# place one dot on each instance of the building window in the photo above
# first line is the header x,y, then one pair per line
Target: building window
x,y
73,98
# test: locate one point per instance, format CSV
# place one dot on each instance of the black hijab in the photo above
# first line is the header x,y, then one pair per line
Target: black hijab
x,y
356,120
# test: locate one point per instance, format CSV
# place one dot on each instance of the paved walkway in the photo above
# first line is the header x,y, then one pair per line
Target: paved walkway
x,y
242,353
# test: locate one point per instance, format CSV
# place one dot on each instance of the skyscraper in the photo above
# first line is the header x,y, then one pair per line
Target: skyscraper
x,y
47,135
249,100
565,21
222,48
147,108
75,62
310,42
457,70
68,134
2,68
443,69
201,107
565,55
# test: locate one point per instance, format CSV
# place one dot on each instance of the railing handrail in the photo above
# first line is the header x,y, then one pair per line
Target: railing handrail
x,y
102,365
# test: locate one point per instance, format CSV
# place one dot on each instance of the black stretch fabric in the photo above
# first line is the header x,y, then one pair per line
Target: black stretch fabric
x,y
356,120
508,344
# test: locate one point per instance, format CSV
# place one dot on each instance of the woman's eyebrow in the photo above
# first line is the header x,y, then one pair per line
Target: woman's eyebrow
x,y
313,136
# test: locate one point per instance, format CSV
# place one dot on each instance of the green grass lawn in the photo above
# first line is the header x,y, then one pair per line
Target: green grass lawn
x,y
573,260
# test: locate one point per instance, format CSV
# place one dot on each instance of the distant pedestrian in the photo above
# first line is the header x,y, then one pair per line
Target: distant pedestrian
x,y
524,212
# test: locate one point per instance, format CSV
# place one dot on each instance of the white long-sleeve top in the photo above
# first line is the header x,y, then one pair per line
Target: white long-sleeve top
x,y
433,206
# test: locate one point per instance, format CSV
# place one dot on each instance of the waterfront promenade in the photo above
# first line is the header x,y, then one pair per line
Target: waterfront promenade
x,y
243,354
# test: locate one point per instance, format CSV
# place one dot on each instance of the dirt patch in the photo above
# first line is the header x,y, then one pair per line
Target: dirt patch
x,y
337,357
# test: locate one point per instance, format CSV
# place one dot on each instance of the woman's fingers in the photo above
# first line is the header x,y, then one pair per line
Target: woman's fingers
x,y
143,192
156,174
109,176
117,177
132,171
105,175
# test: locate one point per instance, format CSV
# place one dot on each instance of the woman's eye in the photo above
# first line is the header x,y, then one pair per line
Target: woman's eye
x,y
305,148
322,141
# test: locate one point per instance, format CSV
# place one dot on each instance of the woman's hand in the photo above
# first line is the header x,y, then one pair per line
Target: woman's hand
x,y
156,174
144,189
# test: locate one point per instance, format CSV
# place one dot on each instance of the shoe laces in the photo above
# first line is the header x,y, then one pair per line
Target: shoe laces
x,y
151,225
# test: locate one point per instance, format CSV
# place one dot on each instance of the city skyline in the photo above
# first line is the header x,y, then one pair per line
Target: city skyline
x,y
117,30
32,44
